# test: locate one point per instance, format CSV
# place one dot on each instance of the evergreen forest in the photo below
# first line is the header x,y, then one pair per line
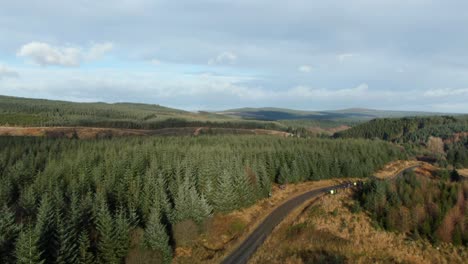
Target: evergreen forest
x,y
420,207
83,201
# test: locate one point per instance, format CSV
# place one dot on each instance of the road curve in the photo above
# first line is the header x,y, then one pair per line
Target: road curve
x,y
242,254
248,247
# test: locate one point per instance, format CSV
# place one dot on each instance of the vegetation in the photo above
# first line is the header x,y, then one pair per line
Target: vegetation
x,y
457,153
16,111
65,200
420,207
409,129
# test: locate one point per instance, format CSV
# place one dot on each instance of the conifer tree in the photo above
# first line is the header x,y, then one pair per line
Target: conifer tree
x,y
27,250
85,256
9,231
224,198
46,229
155,236
121,236
105,228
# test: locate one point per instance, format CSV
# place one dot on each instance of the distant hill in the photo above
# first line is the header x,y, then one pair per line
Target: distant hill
x,y
352,114
16,111
408,129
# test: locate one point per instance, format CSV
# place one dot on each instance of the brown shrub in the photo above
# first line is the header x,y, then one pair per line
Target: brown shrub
x,y
445,230
185,233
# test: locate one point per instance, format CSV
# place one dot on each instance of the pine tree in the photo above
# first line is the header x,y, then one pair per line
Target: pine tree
x,y
27,250
188,204
121,236
85,256
105,228
46,229
68,250
224,195
9,231
155,236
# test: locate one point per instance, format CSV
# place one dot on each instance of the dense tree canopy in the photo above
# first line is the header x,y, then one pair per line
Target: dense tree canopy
x,y
65,200
408,129
420,207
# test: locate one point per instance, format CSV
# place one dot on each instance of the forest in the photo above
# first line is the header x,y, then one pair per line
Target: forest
x,y
420,207
408,129
16,111
86,201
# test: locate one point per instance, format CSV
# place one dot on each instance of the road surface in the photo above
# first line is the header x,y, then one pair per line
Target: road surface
x,y
258,236
248,247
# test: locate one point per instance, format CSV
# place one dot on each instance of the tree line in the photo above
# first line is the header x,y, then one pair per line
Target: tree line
x,y
81,201
420,207
408,129
37,112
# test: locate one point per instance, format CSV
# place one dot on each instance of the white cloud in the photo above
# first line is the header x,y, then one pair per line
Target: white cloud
x,y
98,50
45,54
307,92
6,72
344,56
155,62
446,92
305,68
226,57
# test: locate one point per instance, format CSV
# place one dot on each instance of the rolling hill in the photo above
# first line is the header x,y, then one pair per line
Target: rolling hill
x,y
351,114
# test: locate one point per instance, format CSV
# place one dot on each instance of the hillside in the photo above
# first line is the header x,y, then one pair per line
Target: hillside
x,y
15,111
351,114
408,129
332,230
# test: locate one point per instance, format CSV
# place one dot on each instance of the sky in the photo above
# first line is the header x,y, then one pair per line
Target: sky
x,y
219,54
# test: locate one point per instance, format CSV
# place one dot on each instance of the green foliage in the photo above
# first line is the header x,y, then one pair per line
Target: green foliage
x,y
16,111
9,231
84,197
27,250
417,206
457,153
408,129
156,237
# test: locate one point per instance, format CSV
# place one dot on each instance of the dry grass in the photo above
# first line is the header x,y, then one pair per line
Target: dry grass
x,y
393,168
96,132
328,131
225,232
330,232
463,172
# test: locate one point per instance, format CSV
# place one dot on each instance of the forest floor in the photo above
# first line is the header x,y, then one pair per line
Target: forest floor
x,y
326,231
97,132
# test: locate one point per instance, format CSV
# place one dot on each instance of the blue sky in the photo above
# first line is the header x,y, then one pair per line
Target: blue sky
x,y
218,54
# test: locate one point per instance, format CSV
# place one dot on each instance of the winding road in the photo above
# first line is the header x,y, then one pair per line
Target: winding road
x,y
248,247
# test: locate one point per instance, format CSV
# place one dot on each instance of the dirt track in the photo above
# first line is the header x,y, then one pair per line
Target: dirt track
x,y
96,132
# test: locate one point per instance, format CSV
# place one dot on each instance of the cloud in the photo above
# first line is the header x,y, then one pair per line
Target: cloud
x,y
155,62
344,56
226,57
305,68
98,50
307,92
45,54
5,72
446,92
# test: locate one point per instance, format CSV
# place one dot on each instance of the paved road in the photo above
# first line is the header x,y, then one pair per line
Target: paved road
x,y
243,253
249,246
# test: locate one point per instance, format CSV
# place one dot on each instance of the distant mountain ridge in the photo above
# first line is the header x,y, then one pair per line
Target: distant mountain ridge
x,y
362,114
